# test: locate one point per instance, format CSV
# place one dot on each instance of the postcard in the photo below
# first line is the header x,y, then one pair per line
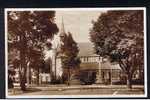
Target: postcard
x,y
75,52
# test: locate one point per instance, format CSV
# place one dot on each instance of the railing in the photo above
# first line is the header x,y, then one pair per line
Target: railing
x,y
90,58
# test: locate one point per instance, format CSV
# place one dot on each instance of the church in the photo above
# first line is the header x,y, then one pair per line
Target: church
x,y
93,68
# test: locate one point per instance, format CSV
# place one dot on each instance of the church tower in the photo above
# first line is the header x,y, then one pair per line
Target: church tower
x,y
62,31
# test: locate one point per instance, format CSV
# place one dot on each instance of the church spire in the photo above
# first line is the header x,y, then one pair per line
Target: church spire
x,y
62,30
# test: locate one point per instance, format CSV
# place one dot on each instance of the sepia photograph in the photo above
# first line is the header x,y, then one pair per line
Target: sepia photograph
x,y
75,52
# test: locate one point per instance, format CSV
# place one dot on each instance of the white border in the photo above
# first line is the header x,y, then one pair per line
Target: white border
x,y
77,96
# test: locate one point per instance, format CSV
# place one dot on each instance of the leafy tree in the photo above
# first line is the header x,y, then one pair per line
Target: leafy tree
x,y
27,32
118,35
69,50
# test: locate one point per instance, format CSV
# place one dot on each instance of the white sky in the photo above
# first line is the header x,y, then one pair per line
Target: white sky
x,y
77,22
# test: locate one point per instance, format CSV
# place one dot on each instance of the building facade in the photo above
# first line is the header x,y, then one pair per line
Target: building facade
x,y
99,70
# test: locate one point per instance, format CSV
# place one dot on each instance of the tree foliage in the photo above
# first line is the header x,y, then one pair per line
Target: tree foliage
x,y
69,50
70,61
27,32
119,36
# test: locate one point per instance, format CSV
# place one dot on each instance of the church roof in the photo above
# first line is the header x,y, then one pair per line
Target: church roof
x,y
86,49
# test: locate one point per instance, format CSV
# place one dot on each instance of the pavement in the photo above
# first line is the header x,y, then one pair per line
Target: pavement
x,y
95,89
94,86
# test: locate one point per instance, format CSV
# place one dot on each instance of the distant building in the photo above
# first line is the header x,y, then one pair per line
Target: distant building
x,y
95,69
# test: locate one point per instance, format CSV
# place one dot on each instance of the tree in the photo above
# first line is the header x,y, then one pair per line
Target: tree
x,y
69,50
28,31
118,35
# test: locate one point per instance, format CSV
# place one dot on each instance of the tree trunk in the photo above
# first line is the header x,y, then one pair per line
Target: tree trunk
x,y
23,74
68,83
23,63
38,76
28,73
50,64
22,84
129,83
55,68
30,78
23,79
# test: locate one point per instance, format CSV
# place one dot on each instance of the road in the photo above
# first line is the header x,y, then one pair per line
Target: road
x,y
80,90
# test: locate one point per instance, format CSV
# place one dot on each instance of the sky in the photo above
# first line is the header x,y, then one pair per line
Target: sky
x,y
77,22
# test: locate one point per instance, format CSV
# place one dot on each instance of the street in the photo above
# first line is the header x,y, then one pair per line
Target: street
x,y
80,90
